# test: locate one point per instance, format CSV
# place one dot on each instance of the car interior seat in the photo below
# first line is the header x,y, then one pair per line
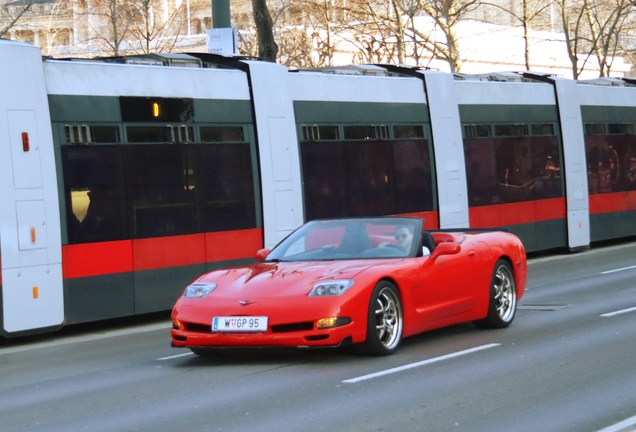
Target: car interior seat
x,y
355,240
428,241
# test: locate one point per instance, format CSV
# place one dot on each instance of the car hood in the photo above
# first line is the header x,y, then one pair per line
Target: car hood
x,y
285,278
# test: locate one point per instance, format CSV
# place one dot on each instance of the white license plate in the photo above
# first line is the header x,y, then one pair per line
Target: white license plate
x,y
239,324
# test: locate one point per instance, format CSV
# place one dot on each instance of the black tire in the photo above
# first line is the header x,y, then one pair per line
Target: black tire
x,y
385,320
502,303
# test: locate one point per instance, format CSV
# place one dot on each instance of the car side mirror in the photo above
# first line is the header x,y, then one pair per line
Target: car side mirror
x,y
445,248
261,254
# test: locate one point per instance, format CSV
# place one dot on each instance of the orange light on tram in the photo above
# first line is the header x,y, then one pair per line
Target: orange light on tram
x,y
156,109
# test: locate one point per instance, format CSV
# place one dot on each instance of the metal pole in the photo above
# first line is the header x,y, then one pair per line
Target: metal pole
x,y
221,14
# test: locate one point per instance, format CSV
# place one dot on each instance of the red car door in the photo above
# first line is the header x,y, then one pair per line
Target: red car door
x,y
450,285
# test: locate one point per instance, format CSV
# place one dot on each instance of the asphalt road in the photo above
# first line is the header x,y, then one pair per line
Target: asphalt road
x,y
567,363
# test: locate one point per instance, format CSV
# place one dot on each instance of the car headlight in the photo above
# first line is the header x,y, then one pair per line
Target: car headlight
x,y
199,290
331,288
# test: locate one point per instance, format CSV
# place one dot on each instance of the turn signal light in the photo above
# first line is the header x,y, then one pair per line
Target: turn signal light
x,y
176,324
332,322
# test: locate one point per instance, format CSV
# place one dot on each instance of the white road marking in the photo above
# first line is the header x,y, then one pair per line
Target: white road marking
x,y
623,426
421,363
90,337
617,270
609,314
175,356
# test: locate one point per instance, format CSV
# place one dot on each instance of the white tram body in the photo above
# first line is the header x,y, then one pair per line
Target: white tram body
x,y
196,161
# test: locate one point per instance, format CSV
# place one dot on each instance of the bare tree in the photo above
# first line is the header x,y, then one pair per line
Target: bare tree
x,y
606,20
12,12
154,26
525,15
267,47
447,14
117,19
573,21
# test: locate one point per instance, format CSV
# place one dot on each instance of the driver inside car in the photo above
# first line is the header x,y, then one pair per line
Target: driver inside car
x,y
403,237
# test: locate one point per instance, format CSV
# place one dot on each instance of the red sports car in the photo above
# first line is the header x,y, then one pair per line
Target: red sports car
x,y
364,281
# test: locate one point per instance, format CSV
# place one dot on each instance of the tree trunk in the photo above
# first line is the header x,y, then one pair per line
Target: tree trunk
x,y
267,47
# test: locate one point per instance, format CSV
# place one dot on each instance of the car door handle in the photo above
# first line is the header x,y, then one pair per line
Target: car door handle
x,y
471,253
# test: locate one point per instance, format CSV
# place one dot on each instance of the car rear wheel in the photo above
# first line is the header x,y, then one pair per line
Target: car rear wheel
x,y
385,320
503,297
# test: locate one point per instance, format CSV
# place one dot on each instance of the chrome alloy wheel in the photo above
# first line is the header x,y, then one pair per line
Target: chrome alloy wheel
x,y
388,318
505,295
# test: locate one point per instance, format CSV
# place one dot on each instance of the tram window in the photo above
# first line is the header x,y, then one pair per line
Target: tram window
x,y
594,129
477,131
105,134
542,129
368,178
408,132
162,190
511,130
611,163
320,133
95,193
77,134
149,134
222,134
413,185
365,132
512,169
227,188
619,129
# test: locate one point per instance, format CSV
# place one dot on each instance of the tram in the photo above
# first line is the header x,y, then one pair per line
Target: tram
x,y
123,179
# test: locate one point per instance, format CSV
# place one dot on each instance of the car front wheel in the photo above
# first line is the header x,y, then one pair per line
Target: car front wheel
x,y
503,297
385,320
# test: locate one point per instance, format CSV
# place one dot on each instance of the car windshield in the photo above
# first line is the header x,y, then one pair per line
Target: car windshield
x,y
347,239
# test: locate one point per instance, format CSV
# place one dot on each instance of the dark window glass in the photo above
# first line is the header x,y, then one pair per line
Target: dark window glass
x,y
619,129
542,129
146,109
508,170
162,190
77,134
369,168
594,129
95,193
365,132
105,134
368,178
149,134
408,132
221,134
511,130
611,163
413,185
324,180
226,186
320,133
477,131
83,134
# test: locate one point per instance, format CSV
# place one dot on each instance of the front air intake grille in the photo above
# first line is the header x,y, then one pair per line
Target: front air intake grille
x,y
198,328
284,328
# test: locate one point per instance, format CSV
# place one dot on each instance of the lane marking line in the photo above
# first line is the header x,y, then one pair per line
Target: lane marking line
x,y
621,426
421,363
609,314
175,356
620,269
